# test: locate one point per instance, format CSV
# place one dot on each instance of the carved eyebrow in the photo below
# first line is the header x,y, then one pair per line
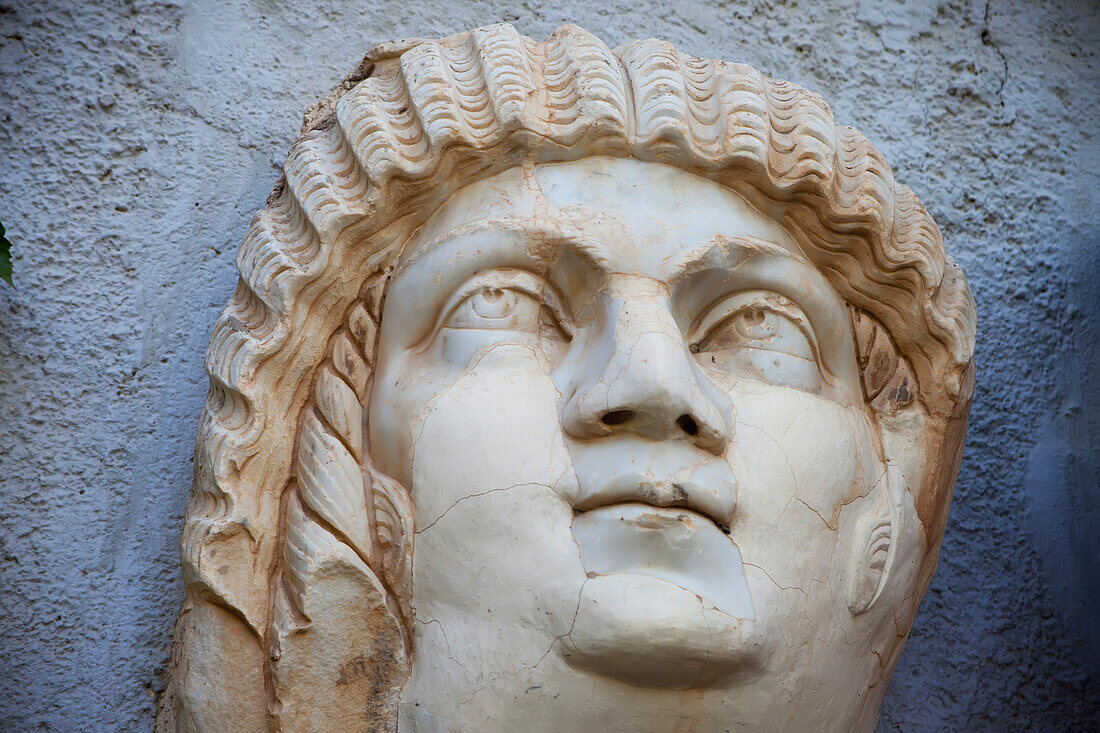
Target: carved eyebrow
x,y
732,252
534,232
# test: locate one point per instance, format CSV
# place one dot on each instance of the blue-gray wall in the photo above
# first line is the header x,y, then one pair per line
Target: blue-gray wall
x,y
138,138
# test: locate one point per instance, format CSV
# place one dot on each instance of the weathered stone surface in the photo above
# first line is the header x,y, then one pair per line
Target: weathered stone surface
x,y
668,390
978,108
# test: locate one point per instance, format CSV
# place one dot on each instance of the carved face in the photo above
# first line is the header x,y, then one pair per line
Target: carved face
x,y
629,412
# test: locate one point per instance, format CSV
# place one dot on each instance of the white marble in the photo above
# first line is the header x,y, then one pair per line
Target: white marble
x,y
611,335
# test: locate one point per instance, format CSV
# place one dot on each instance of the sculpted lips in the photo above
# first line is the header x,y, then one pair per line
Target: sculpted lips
x,y
663,491
656,509
668,474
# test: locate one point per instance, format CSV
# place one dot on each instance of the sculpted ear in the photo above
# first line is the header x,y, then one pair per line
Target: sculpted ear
x,y
872,551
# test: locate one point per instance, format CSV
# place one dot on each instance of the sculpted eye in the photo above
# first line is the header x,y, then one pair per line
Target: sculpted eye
x,y
760,335
504,300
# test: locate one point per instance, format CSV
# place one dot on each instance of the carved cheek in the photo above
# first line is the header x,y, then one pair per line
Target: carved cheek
x,y
409,383
835,459
800,459
494,549
492,426
460,348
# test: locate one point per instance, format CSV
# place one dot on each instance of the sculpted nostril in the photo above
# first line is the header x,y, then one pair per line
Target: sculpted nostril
x,y
687,424
617,417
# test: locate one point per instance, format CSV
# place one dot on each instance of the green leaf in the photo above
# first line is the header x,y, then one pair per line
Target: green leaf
x,y
5,257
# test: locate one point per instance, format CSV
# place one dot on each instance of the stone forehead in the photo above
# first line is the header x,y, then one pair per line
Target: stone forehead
x,y
613,201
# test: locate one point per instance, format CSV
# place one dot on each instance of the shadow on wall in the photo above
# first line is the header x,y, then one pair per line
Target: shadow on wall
x,y
1063,471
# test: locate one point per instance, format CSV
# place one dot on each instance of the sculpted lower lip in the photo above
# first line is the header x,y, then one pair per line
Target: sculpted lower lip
x,y
669,543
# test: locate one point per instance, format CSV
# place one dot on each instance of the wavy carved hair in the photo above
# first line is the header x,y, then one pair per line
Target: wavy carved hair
x,y
290,357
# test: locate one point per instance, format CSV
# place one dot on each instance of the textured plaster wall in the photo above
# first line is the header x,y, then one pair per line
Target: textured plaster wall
x,y
137,139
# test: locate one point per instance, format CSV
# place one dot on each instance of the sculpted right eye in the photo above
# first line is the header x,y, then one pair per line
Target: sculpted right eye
x,y
498,309
508,300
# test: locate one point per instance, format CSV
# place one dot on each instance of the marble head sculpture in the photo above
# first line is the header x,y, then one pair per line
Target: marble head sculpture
x,y
571,389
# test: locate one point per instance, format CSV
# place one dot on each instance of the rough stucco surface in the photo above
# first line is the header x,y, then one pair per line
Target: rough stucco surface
x,y
138,139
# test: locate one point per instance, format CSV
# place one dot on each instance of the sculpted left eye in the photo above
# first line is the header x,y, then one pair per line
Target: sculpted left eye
x,y
763,336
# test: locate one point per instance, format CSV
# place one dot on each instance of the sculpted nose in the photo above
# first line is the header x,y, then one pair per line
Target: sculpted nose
x,y
639,376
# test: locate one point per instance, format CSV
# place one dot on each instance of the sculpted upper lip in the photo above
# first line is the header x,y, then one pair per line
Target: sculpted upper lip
x,y
660,492
655,474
